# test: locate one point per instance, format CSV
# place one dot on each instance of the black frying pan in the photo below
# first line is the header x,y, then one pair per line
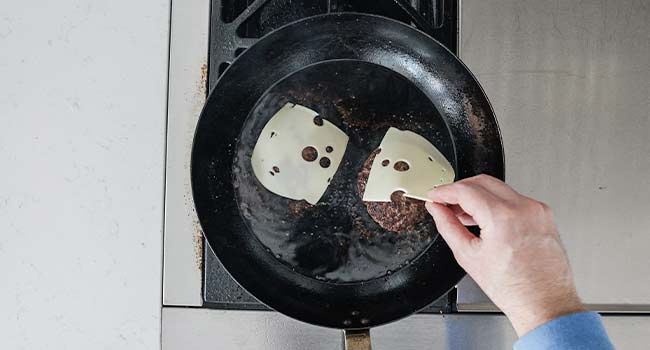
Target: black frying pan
x,y
330,264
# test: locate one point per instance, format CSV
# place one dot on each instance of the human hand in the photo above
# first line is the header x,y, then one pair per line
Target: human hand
x,y
518,260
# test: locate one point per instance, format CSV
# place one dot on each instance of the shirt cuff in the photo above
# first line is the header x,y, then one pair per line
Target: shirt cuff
x,y
579,331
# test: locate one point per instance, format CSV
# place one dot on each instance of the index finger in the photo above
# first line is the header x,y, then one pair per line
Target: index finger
x,y
473,199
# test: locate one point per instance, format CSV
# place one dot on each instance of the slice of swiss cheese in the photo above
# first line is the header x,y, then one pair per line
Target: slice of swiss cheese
x,y
280,145
428,168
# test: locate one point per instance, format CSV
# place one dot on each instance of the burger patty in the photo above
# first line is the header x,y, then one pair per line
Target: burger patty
x,y
400,214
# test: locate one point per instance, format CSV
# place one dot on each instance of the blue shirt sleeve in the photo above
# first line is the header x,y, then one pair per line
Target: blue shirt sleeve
x,y
579,331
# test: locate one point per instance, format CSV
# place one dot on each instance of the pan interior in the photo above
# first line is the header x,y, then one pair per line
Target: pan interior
x,y
336,240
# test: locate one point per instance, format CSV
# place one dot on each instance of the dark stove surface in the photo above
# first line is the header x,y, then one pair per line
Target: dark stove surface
x,y
237,24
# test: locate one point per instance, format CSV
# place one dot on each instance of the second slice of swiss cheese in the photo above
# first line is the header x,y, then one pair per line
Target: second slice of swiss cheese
x,y
427,167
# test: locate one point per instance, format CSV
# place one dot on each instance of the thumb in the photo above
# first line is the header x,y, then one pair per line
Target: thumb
x,y
452,230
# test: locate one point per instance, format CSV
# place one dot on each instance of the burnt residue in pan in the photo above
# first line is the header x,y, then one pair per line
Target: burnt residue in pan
x,y
336,239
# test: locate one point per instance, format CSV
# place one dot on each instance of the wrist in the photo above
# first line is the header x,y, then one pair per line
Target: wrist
x,y
529,316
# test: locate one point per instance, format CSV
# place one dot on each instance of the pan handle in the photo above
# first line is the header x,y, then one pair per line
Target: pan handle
x,y
358,339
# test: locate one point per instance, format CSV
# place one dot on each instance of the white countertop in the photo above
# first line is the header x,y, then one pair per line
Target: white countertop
x,y
82,133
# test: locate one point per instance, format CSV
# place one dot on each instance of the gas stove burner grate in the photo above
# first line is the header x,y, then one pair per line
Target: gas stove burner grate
x,y
238,24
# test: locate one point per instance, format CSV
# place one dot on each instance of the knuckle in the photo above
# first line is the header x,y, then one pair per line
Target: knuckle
x,y
543,209
460,188
488,180
462,185
477,180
